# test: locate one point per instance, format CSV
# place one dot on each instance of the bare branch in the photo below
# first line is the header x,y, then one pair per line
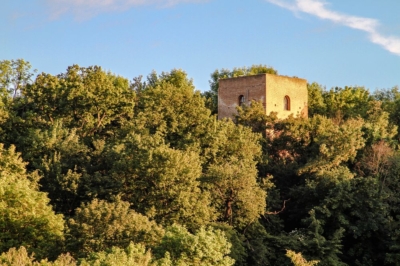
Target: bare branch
x,y
277,212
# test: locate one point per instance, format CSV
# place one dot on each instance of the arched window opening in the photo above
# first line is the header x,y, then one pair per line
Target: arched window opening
x,y
241,100
286,103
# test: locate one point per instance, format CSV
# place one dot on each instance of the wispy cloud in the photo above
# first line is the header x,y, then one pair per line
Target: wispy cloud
x,y
319,9
85,9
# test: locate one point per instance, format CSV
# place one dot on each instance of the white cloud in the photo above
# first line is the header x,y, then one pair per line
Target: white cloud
x,y
84,9
319,9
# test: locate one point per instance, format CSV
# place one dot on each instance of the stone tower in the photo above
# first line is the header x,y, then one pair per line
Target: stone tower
x,y
281,94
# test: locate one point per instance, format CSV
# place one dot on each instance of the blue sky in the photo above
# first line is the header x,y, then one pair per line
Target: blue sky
x,y
333,42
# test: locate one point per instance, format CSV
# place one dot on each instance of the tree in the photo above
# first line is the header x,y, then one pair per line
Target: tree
x,y
58,126
376,161
5,114
377,126
253,116
298,260
237,196
231,174
15,75
134,254
390,99
26,218
61,157
162,183
100,225
331,145
171,108
325,247
316,104
390,190
347,102
88,99
206,247
20,256
348,220
45,99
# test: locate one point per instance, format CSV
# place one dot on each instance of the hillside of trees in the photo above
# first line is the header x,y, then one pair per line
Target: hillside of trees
x,y
96,169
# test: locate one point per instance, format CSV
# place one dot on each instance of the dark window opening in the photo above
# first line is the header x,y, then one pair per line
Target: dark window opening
x,y
241,100
286,103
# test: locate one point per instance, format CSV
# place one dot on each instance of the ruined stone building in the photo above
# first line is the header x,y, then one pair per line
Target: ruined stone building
x,y
281,94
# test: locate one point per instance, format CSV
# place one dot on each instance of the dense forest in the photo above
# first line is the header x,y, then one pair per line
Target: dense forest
x,y
96,169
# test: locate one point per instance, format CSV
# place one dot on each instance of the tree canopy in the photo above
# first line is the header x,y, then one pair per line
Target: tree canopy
x,y
99,170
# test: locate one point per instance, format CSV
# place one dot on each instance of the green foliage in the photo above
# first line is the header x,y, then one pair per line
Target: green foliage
x,y
258,245
356,206
377,125
123,161
60,156
331,144
348,215
44,98
21,257
14,75
237,196
172,109
206,247
231,174
88,99
4,108
227,141
297,146
390,187
316,104
26,218
237,240
253,116
162,183
134,254
298,259
390,99
100,225
314,243
58,123
343,103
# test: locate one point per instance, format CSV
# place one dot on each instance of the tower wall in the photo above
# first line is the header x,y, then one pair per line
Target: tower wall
x,y
280,86
229,91
268,89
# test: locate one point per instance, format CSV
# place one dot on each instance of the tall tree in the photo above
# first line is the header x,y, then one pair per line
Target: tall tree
x,y
101,225
331,145
206,246
15,75
390,99
171,108
162,183
231,174
316,104
20,256
26,218
347,102
133,254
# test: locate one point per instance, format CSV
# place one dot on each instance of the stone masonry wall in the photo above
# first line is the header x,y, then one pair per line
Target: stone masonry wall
x,y
268,89
229,91
280,86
